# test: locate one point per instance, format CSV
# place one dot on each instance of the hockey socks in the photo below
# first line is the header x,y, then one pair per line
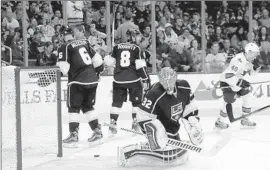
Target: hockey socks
x,y
73,126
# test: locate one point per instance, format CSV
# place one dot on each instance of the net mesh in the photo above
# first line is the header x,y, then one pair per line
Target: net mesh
x,y
38,92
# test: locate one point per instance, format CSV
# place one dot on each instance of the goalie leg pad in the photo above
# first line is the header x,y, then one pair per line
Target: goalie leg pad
x,y
156,134
141,155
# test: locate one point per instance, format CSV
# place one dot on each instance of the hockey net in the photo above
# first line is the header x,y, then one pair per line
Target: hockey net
x,y
31,116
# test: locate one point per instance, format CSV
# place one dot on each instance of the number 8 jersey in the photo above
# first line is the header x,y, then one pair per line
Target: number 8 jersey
x,y
129,68
81,58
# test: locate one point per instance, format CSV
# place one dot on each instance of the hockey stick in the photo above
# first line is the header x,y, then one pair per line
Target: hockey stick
x,y
232,119
207,89
186,146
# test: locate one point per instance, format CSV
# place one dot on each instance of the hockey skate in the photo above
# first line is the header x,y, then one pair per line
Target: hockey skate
x,y
135,126
112,128
71,141
96,137
221,125
247,124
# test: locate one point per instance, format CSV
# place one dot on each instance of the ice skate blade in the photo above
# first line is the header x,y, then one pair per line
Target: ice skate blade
x,y
70,145
218,130
247,127
97,142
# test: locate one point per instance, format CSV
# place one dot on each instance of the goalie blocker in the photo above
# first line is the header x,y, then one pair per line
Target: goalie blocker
x,y
167,102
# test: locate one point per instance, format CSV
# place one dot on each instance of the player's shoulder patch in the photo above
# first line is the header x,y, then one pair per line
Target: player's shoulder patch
x,y
182,84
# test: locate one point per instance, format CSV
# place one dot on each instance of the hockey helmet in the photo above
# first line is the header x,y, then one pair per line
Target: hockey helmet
x,y
167,78
252,50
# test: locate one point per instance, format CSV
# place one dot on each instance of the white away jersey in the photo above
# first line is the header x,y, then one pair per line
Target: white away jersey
x,y
237,69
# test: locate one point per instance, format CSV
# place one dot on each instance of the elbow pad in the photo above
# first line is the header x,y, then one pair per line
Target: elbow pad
x,y
64,66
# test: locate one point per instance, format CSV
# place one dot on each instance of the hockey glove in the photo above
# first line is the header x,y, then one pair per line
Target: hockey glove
x,y
194,130
256,64
243,83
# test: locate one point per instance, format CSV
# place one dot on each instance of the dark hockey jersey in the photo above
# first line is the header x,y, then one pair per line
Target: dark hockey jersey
x,y
125,71
168,108
79,54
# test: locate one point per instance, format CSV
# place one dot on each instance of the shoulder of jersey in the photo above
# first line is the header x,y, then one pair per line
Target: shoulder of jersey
x,y
182,84
157,90
127,44
238,58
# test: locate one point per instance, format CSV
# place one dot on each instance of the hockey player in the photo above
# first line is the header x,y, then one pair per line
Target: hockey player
x,y
129,74
164,105
234,85
83,65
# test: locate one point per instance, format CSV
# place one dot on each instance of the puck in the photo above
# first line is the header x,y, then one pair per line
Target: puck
x,y
96,156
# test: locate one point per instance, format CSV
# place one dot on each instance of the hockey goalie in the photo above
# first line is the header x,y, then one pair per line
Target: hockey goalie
x,y
165,104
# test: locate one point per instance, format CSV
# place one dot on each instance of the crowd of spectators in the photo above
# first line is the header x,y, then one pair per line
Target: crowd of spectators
x,y
178,31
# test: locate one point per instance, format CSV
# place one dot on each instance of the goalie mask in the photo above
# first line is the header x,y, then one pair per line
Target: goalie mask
x,y
167,78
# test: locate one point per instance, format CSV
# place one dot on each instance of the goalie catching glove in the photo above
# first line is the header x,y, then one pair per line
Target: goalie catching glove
x,y
194,130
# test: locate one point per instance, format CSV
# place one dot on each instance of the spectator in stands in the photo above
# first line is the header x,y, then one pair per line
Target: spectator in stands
x,y
263,35
159,13
46,11
218,35
32,27
163,49
101,13
36,47
147,33
178,26
265,20
141,15
161,24
121,32
101,26
264,57
195,32
96,38
9,22
180,59
178,13
186,20
58,14
186,37
32,11
170,35
47,57
237,37
17,47
196,55
118,20
215,61
228,49
243,9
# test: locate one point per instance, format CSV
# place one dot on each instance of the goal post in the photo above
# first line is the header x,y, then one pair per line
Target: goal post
x,y
31,116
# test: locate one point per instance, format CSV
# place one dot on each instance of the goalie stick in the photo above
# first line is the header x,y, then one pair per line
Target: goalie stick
x,y
186,146
232,119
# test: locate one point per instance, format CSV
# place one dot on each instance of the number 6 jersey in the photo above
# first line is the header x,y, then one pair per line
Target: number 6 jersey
x,y
81,57
126,72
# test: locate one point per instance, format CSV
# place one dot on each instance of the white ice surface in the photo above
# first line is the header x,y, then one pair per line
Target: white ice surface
x,y
247,150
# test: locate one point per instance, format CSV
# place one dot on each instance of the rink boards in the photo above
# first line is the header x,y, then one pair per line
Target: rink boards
x,y
206,99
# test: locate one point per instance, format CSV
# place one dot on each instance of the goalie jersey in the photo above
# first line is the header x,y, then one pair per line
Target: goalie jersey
x,y
167,108
81,58
126,71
